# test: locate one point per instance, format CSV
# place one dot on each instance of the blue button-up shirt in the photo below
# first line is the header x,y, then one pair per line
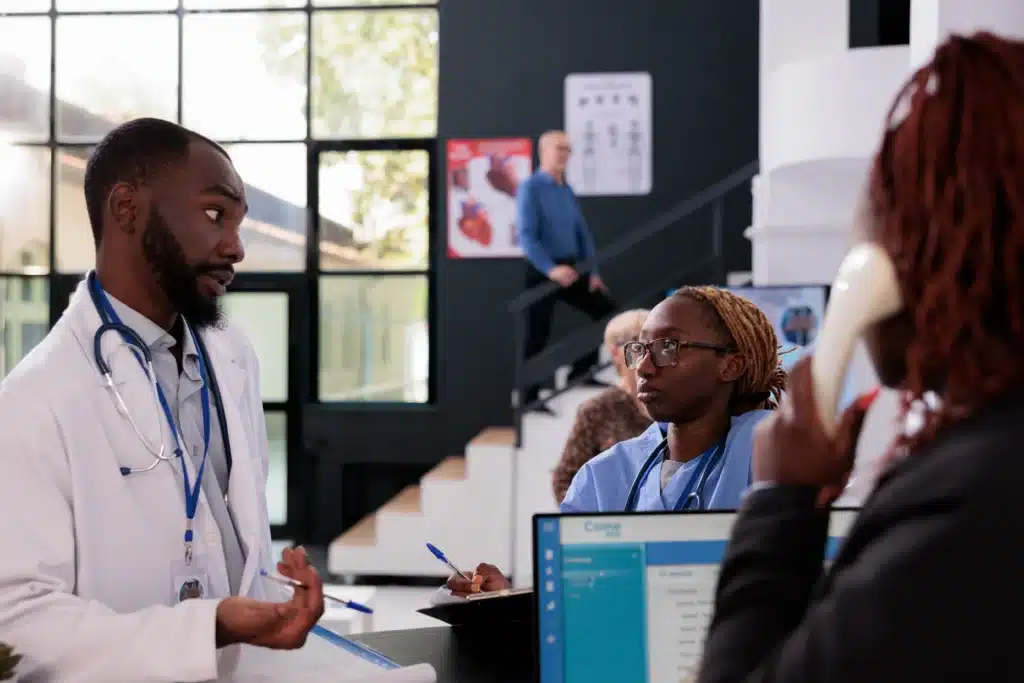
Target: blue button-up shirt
x,y
550,223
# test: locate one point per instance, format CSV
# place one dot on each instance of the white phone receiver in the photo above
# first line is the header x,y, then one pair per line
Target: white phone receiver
x,y
864,292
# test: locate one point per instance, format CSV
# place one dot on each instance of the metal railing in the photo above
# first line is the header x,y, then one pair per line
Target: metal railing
x,y
531,371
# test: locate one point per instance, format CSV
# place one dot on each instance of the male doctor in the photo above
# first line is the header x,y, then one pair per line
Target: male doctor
x,y
99,580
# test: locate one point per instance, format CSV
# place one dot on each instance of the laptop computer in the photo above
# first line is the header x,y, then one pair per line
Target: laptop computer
x,y
628,597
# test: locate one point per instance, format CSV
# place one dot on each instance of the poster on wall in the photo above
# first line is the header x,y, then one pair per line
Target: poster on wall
x,y
609,122
483,179
796,312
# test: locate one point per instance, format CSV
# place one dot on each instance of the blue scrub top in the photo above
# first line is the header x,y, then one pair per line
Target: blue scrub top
x,y
602,485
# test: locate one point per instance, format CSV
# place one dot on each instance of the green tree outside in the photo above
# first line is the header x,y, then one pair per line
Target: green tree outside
x,y
374,76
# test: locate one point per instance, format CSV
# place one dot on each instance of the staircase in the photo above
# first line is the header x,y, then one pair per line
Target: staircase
x,y
479,507
463,506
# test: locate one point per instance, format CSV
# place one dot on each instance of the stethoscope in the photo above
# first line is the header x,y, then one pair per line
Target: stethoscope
x,y
690,495
135,343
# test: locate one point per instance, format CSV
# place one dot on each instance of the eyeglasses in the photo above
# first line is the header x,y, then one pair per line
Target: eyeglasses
x,y
664,352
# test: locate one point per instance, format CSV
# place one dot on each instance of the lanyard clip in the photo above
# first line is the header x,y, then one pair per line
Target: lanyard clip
x,y
188,541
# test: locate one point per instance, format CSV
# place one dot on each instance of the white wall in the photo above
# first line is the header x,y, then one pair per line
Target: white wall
x,y
932,21
792,30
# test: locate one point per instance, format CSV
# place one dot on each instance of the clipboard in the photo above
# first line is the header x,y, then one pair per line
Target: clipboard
x,y
497,608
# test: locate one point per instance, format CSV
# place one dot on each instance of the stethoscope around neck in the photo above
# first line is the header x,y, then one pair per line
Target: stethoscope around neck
x,y
138,346
692,496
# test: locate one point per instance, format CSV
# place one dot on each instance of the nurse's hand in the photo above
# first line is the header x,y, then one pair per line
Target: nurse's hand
x,y
485,579
792,447
279,626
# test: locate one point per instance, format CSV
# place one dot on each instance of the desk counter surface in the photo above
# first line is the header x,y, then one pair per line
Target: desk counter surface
x,y
461,655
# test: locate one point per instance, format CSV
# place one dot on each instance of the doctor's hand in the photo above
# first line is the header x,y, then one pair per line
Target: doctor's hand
x,y
792,446
278,626
485,579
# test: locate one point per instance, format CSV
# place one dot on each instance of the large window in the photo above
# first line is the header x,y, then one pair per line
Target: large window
x,y
24,314
91,49
244,75
374,342
375,74
328,109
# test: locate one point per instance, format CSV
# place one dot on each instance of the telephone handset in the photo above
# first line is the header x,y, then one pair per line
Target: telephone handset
x,y
864,292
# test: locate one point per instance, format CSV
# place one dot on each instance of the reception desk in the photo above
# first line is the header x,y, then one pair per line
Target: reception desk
x,y
462,655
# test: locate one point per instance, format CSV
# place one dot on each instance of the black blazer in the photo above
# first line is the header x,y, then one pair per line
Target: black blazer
x,y
928,586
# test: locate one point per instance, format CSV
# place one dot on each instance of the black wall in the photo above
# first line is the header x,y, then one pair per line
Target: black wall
x,y
875,23
502,66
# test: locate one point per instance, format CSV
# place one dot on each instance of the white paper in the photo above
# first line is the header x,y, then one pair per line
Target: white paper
x,y
609,123
318,661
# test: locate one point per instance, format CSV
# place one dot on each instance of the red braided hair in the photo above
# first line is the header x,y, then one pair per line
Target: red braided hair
x,y
947,192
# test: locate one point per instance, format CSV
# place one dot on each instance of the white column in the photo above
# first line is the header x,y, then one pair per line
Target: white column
x,y
793,30
932,21
822,112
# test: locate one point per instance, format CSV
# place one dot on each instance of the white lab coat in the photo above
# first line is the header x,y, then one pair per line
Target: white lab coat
x,y
85,574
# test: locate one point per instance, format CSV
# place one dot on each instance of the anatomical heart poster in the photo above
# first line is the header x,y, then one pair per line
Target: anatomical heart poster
x,y
483,179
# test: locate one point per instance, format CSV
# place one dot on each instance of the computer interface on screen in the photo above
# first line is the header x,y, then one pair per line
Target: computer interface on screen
x,y
628,598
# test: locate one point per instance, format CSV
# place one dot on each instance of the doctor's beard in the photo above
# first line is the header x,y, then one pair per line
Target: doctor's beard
x,y
178,280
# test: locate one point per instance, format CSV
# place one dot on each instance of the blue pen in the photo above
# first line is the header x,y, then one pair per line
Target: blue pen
x,y
298,584
436,552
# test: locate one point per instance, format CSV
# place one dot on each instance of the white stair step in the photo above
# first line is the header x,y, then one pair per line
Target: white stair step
x,y
400,560
443,490
343,620
446,510
402,516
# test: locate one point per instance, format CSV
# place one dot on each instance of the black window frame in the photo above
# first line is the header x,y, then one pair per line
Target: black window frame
x,y
303,287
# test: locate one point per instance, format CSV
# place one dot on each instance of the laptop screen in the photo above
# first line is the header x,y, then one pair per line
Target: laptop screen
x,y
628,597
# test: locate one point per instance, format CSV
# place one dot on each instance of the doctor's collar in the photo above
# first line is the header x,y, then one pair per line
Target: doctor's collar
x,y
156,337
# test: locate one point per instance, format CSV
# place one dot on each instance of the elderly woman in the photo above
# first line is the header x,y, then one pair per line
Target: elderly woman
x,y
612,416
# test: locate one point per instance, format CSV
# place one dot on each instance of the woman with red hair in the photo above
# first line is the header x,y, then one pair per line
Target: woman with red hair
x,y
928,583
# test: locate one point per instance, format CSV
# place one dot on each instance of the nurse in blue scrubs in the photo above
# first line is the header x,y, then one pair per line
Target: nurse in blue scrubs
x,y
707,364
708,370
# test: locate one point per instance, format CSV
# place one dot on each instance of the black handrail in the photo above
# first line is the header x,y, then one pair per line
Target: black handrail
x,y
553,355
550,354
526,369
634,237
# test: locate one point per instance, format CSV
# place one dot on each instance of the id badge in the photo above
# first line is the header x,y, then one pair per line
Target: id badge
x,y
190,581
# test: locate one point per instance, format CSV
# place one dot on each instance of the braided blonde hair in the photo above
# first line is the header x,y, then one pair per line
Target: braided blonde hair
x,y
752,334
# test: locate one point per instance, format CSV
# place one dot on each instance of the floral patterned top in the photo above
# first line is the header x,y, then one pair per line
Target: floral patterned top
x,y
601,422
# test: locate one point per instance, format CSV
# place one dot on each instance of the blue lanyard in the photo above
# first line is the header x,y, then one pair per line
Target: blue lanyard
x,y
191,492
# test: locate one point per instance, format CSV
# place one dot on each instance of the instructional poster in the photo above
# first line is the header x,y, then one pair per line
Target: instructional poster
x,y
608,120
483,180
